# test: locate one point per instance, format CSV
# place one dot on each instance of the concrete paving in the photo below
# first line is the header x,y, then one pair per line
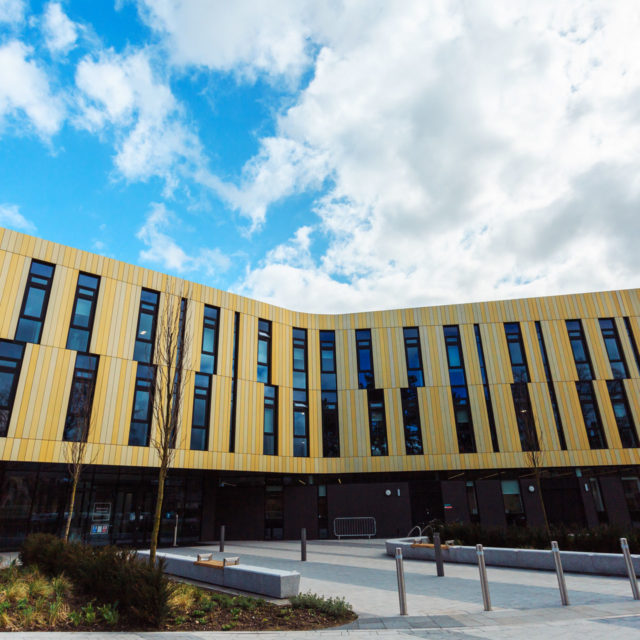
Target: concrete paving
x,y
526,603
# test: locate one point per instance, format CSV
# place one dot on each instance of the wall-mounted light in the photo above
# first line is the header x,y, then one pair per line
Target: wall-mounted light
x,y
531,488
387,492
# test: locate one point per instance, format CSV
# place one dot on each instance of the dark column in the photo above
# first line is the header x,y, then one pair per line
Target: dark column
x,y
614,501
587,502
300,511
490,503
531,502
454,498
208,511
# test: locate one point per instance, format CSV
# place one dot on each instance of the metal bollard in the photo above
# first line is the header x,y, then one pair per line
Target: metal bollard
x,y
562,585
175,533
222,528
303,545
484,582
630,569
402,594
437,548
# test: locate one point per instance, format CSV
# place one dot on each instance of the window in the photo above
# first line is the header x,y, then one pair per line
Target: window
x,y
201,411
270,440
209,340
634,346
597,500
580,351
234,383
622,413
330,425
516,352
78,421
631,488
365,359
591,415
513,508
10,364
35,301
147,320
459,392
299,358
264,351
300,423
524,417
472,501
614,348
84,308
142,407
414,357
411,420
487,392
377,422
552,391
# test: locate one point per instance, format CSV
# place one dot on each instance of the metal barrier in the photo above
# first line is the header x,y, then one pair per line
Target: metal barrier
x,y
354,527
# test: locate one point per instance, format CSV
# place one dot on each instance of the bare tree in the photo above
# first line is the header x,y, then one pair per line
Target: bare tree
x,y
532,443
76,433
169,383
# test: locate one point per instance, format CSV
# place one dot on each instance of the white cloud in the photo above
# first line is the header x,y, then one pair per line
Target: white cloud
x,y
11,217
164,251
12,11
24,89
59,31
473,151
125,92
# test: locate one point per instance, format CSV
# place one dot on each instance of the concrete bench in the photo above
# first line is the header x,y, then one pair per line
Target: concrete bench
x,y
274,583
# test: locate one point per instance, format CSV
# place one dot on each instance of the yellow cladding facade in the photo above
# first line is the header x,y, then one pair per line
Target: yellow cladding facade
x,y
37,420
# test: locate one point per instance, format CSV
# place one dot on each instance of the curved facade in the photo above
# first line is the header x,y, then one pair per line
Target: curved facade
x,y
437,391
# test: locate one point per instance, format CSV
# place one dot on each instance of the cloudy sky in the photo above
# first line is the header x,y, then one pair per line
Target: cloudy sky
x,y
331,156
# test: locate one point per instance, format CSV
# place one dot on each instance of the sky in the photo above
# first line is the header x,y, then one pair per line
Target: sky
x,y
331,156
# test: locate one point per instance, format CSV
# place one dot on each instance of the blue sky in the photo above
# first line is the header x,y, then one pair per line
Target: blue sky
x,y
334,156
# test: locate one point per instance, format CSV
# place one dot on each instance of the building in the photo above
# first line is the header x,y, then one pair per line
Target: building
x,y
295,419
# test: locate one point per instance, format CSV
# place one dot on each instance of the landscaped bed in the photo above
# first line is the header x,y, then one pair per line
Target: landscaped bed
x,y
108,589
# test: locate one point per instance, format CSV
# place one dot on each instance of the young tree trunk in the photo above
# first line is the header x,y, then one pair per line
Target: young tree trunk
x,y
544,510
162,474
72,503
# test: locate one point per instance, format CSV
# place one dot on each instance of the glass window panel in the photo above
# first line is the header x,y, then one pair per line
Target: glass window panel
x,y
299,380
85,280
269,392
454,356
269,447
138,434
619,370
365,359
268,420
516,353
298,358
82,313
612,348
456,377
300,447
263,351
327,361
413,358
40,269
141,405
365,380
149,296
328,381
6,383
28,330
578,351
207,363
263,373
145,328
78,339
142,351
584,371
211,313
34,302
11,350
198,439
199,412
208,339
416,379
299,423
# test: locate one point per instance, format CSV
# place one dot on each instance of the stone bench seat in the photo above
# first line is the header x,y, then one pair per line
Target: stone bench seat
x,y
274,583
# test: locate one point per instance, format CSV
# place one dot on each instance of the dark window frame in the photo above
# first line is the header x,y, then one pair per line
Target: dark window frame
x,y
299,343
609,331
586,395
32,282
575,331
198,387
143,308
270,402
7,409
213,324
301,406
264,335
487,392
628,433
513,335
413,341
364,342
330,414
143,383
379,443
87,376
410,403
93,301
632,340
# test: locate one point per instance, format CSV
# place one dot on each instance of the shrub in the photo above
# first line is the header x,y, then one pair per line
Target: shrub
x,y
334,607
106,574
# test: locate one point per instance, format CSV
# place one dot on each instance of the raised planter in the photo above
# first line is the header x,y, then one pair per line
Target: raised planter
x,y
608,564
267,582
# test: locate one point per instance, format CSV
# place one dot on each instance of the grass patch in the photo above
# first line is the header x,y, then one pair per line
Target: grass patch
x,y
334,607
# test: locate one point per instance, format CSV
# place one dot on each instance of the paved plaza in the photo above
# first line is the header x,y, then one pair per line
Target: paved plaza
x,y
526,604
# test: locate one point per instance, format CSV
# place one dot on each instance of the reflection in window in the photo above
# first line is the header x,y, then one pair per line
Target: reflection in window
x,y
614,348
84,308
330,426
634,345
410,408
78,421
264,351
377,422
513,507
201,412
580,351
365,359
35,302
234,383
459,392
622,413
487,392
146,332
10,364
270,439
142,413
209,339
591,415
